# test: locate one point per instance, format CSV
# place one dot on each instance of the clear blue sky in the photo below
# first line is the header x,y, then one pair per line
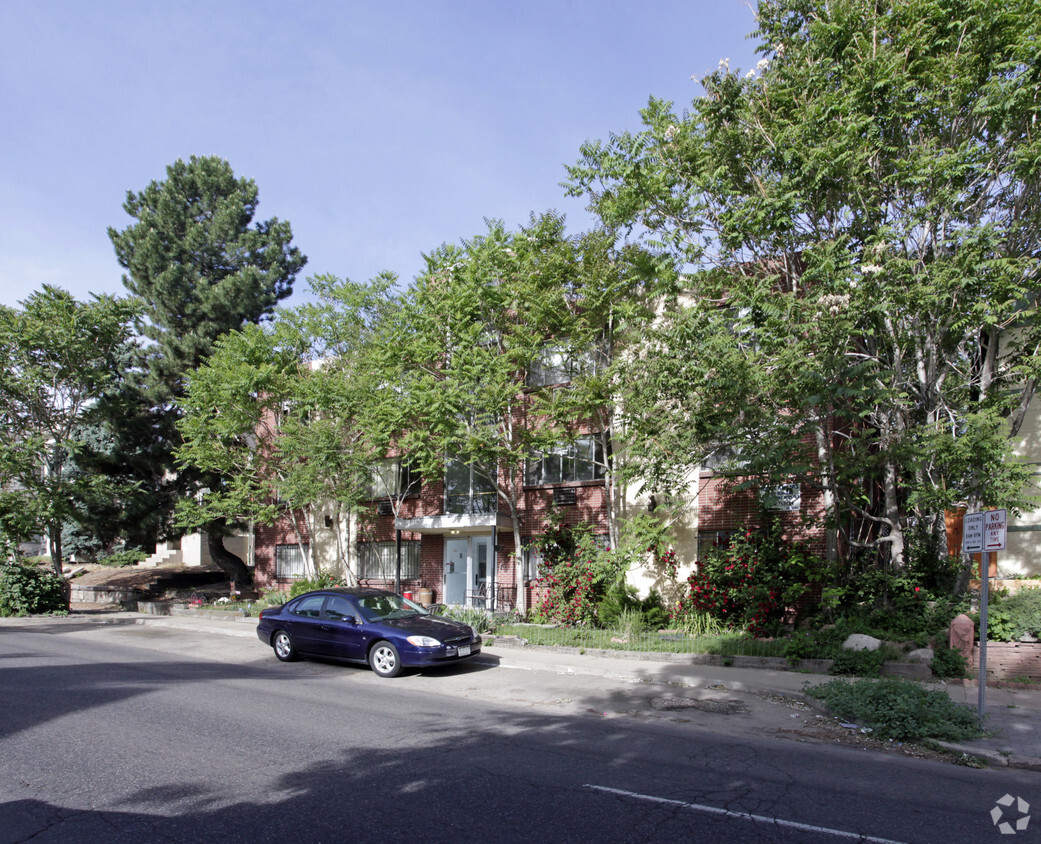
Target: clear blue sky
x,y
379,129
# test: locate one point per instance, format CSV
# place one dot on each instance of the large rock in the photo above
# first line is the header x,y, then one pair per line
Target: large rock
x,y
922,655
862,642
962,636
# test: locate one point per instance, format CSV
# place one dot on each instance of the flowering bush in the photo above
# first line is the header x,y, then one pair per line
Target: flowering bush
x,y
748,585
575,575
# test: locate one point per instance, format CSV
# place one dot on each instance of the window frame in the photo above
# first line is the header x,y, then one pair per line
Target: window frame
x,y
537,468
300,560
531,558
713,540
385,557
407,479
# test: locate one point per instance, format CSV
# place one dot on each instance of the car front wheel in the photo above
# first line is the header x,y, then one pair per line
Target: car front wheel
x,y
283,646
384,659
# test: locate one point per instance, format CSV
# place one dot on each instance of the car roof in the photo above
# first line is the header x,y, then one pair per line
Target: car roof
x,y
352,590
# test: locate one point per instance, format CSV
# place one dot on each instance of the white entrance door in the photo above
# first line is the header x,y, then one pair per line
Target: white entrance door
x,y
467,568
455,570
481,552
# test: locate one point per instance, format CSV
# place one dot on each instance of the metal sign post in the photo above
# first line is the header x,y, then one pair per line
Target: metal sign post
x,y
984,589
982,533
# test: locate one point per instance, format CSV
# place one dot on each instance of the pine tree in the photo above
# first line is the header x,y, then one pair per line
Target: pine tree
x,y
201,267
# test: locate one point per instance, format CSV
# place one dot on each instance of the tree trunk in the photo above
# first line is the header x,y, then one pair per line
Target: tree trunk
x,y
830,499
55,548
892,513
229,563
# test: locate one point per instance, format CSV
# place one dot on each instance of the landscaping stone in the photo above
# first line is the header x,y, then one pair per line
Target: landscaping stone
x,y
921,655
961,636
907,670
861,642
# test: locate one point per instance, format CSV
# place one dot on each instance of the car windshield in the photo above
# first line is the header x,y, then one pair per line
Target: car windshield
x,y
387,606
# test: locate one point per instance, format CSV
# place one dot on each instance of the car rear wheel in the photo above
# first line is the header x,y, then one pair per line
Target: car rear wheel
x,y
283,646
384,659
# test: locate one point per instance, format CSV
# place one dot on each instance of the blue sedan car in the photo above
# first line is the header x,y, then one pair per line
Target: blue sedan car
x,y
366,626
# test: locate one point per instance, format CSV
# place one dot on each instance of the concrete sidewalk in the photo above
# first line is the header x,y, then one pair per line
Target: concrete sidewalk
x,y
1013,716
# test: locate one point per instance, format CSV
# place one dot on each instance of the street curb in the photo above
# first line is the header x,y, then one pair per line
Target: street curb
x,y
993,758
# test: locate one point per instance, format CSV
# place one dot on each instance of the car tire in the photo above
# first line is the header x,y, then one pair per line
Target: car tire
x,y
283,646
384,659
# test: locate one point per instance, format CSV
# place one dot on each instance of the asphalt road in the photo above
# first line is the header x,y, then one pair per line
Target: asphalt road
x,y
113,734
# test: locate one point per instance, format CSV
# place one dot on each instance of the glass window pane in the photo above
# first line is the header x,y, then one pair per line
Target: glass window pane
x,y
289,561
378,560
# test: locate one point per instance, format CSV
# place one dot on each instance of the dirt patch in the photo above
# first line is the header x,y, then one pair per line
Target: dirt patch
x,y
822,728
722,707
132,577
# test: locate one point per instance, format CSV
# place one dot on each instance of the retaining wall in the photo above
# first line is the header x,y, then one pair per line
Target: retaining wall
x,y
1008,660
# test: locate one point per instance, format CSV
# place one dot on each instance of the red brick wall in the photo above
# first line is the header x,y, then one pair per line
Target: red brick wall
x,y
1008,660
266,537
721,506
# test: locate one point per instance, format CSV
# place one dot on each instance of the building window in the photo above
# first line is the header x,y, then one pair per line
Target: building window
x,y
393,478
531,559
556,364
550,367
379,560
727,458
786,498
582,460
710,541
469,489
291,561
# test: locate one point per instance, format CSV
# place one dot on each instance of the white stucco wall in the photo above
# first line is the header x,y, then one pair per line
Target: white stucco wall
x,y
1022,554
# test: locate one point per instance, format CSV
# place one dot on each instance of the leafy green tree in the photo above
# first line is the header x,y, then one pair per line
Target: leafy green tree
x,y
201,267
59,356
288,417
483,316
858,220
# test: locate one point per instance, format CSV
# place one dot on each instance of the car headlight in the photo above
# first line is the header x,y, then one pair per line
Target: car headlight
x,y
423,641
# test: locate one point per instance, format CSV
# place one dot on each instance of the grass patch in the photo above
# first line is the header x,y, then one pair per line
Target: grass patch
x,y
722,644
899,709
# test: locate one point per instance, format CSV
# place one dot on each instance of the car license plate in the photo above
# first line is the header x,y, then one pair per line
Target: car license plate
x,y
464,650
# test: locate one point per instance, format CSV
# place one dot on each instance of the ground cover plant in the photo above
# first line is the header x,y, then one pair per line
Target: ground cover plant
x,y
899,709
644,641
1013,617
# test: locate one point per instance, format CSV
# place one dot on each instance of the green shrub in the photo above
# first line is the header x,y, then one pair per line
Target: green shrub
x,y
323,580
696,623
814,644
480,620
273,598
1013,617
948,662
618,599
575,574
899,709
630,624
752,583
126,557
622,599
858,663
30,590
